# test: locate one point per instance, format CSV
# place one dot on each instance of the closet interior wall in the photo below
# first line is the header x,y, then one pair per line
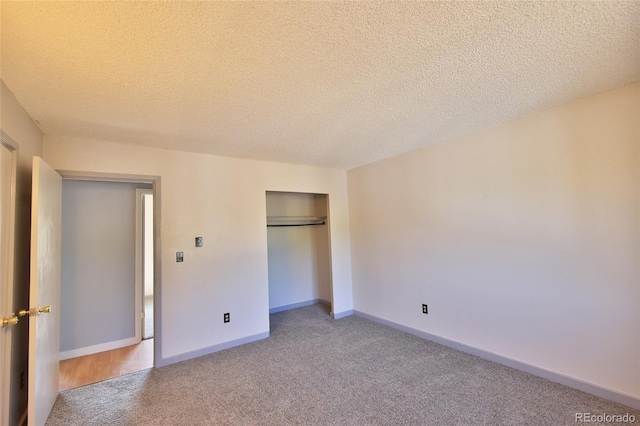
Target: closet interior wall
x,y
299,256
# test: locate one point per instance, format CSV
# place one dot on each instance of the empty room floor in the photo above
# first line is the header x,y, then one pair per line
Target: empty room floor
x,y
88,369
316,370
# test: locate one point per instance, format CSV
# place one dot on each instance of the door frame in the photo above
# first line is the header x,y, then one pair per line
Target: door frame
x,y
155,182
9,308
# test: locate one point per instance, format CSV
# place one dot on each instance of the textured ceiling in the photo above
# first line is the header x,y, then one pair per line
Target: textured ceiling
x,y
320,83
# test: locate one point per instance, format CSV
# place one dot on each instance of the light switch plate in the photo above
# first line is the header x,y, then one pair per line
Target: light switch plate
x,y
179,256
198,241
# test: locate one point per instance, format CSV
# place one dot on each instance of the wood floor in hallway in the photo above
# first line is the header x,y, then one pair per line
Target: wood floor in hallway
x,y
95,368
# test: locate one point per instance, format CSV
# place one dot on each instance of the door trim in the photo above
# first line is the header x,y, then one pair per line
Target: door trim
x,y
155,182
8,308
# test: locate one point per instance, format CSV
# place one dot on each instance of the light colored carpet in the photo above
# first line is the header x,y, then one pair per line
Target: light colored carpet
x,y
148,318
314,370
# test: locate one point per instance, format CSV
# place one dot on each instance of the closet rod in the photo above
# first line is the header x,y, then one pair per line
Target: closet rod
x,y
300,224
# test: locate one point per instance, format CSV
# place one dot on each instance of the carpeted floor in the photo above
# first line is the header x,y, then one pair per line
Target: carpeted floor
x,y
314,370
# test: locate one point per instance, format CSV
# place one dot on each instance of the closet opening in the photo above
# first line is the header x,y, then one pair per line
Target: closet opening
x,y
299,247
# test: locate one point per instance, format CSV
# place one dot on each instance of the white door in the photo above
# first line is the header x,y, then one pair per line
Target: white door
x,y
44,327
7,223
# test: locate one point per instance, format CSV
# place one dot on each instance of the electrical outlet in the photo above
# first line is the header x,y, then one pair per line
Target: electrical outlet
x,y
179,256
198,241
425,309
226,317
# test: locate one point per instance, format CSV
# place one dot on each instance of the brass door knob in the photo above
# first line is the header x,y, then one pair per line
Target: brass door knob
x,y
8,321
35,311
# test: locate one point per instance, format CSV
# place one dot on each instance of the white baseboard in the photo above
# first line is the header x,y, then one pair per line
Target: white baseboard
x,y
210,349
88,350
298,305
572,382
338,315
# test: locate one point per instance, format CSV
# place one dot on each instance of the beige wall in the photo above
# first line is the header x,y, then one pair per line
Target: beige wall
x,y
17,124
222,200
523,239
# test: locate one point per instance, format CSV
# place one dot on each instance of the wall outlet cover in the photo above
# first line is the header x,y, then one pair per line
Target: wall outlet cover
x,y
425,309
180,256
227,317
198,241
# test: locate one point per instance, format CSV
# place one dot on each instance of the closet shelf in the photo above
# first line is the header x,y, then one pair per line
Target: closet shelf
x,y
295,220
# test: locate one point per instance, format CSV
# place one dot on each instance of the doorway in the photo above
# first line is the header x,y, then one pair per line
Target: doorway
x,y
107,255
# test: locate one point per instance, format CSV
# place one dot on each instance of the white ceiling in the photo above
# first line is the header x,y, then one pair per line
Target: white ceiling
x,y
320,83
